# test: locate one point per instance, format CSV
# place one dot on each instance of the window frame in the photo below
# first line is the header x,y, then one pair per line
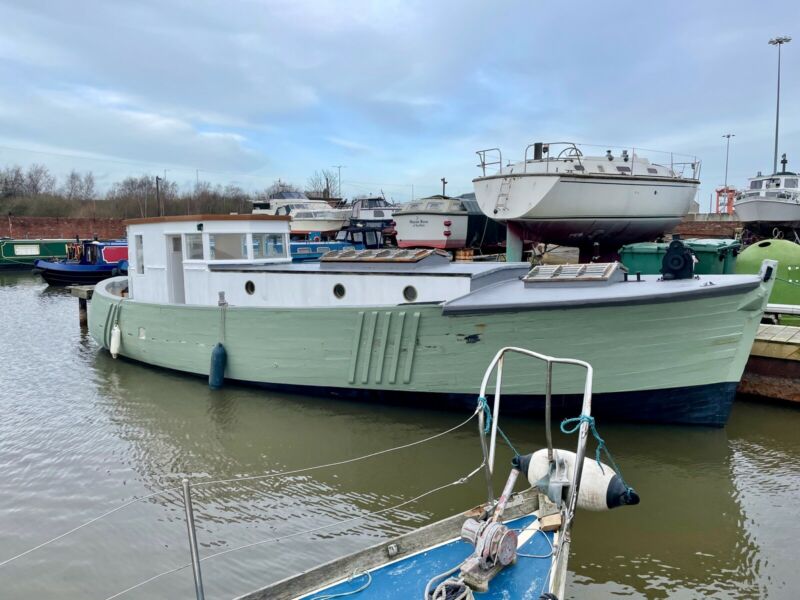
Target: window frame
x,y
187,245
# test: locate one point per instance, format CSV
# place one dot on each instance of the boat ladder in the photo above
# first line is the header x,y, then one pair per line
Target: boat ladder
x,y
502,196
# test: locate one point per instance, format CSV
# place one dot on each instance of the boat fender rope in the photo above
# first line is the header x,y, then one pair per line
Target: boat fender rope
x,y
572,425
353,575
452,589
487,412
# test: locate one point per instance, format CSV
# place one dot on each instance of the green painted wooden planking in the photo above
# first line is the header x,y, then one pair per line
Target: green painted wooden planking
x,y
631,348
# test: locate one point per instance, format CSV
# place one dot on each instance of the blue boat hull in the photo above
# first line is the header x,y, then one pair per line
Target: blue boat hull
x,y
406,578
65,273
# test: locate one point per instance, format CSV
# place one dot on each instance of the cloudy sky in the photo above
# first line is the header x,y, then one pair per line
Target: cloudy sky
x,y
401,93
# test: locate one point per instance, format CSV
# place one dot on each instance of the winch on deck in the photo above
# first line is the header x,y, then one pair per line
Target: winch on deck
x,y
567,479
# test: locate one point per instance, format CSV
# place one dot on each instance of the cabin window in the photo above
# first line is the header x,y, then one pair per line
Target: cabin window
x,y
434,205
372,239
624,169
601,169
377,213
139,254
578,167
26,250
756,185
194,246
790,182
410,293
652,171
227,246
338,291
250,287
268,245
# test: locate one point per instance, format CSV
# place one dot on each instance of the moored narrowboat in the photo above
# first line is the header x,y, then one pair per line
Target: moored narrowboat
x,y
20,254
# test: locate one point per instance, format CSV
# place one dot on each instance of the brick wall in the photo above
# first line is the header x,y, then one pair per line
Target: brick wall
x,y
57,227
708,226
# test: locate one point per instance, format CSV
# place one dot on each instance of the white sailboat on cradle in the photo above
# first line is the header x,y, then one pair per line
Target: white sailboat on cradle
x,y
561,195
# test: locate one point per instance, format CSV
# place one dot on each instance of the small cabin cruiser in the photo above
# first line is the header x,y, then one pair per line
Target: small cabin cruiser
x,y
315,219
411,325
771,203
375,212
446,223
561,195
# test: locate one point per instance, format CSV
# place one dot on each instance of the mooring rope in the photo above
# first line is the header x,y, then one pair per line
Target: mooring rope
x,y
572,425
460,481
237,479
351,592
484,406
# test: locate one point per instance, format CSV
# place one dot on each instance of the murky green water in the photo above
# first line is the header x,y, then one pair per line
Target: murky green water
x,y
81,433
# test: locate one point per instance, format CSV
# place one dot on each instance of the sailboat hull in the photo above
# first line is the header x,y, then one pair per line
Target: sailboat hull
x,y
579,210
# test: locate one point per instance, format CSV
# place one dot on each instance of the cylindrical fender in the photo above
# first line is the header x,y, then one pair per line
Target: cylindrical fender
x,y
216,373
600,487
116,340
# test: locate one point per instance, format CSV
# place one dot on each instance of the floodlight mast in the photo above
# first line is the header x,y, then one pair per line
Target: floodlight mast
x,y
778,41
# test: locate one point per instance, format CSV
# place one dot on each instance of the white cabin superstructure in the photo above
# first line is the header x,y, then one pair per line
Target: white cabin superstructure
x,y
189,260
561,195
773,200
372,210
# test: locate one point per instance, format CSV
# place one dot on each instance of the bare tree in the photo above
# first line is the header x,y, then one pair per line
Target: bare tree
x,y
72,186
12,181
87,186
138,190
280,186
39,180
322,182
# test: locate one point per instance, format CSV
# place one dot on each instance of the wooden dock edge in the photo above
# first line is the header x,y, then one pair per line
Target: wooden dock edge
x,y
773,369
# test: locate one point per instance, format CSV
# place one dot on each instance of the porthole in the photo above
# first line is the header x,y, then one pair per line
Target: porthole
x,y
338,290
250,287
410,293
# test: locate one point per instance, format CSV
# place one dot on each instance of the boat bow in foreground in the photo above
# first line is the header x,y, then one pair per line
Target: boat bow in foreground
x,y
513,546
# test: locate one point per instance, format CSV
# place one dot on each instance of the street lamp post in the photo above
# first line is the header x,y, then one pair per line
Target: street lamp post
x,y
339,180
727,153
778,41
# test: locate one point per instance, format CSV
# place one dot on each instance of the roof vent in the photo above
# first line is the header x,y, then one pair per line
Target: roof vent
x,y
590,273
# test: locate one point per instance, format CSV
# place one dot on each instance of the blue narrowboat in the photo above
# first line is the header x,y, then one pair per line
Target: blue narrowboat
x,y
88,262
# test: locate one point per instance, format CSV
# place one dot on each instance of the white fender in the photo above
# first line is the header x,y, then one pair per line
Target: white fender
x,y
600,488
116,339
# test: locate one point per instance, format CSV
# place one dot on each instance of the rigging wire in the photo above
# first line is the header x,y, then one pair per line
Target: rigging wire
x,y
234,480
460,481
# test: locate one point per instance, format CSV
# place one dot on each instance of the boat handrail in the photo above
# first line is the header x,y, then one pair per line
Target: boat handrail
x,y
570,147
583,432
483,164
676,168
